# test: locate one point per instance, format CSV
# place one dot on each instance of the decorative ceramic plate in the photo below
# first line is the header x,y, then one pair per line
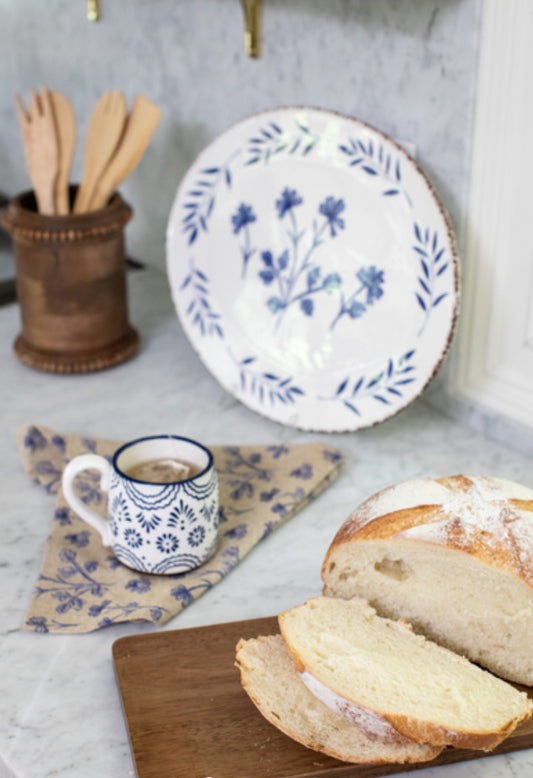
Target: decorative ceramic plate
x,y
313,269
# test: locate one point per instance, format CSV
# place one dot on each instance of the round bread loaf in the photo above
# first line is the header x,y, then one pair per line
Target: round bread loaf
x,y
452,556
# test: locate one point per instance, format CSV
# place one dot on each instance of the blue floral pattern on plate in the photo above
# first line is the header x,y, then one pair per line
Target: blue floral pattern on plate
x,y
296,276
323,258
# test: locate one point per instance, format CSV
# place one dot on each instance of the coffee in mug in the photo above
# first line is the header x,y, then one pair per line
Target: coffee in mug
x,y
163,471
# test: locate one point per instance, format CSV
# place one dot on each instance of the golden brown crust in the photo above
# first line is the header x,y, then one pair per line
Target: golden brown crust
x,y
298,664
427,732
500,549
383,527
459,483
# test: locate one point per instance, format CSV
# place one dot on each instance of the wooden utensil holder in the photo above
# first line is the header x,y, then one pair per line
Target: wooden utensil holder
x,y
71,286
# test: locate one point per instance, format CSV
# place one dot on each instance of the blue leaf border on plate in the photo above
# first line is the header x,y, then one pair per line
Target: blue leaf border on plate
x,y
433,265
375,161
199,309
200,199
266,386
386,387
271,140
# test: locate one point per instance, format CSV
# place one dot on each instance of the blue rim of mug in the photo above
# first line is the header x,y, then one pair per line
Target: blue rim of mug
x,y
131,443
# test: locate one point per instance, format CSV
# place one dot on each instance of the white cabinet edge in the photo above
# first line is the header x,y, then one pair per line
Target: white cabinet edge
x,y
477,374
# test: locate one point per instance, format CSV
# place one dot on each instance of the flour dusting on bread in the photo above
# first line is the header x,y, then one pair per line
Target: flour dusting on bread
x,y
374,725
411,494
479,513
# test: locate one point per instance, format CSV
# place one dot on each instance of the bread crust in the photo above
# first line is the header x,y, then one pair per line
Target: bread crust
x,y
426,732
495,542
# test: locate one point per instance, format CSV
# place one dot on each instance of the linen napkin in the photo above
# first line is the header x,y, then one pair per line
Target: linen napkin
x,y
82,585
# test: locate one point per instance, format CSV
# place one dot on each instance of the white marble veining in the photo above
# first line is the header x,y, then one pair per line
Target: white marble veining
x,y
60,713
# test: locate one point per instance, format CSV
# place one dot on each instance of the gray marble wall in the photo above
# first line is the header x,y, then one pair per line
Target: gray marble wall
x,y
406,66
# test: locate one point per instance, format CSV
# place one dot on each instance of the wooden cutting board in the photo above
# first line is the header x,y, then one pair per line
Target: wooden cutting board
x,y
188,716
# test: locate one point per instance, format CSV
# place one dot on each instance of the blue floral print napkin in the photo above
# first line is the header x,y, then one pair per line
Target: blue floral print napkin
x,y
82,585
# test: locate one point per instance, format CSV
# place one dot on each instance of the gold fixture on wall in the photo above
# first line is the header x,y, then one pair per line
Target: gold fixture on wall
x,y
93,10
252,27
252,23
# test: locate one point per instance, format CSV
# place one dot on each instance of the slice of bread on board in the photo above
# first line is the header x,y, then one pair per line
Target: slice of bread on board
x,y
356,661
273,685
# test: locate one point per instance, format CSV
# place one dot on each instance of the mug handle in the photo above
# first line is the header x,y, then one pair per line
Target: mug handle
x,y
75,466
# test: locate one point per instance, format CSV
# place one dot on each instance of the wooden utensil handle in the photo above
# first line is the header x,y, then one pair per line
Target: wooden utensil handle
x,y
140,126
46,200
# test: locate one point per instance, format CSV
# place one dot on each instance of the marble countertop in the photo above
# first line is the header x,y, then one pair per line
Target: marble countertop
x,y
60,713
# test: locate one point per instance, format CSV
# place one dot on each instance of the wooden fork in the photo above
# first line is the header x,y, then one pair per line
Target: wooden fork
x,y
140,125
40,147
103,135
65,123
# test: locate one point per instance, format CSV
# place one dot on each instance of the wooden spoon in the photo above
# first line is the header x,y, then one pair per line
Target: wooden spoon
x,y
40,147
103,135
65,122
140,126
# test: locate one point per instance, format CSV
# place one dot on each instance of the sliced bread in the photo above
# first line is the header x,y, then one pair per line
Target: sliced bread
x,y
454,557
270,680
352,659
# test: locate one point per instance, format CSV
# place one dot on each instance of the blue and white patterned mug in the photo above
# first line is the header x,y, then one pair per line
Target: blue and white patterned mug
x,y
153,527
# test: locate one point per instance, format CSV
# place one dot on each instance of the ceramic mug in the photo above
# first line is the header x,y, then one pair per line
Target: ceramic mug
x,y
153,527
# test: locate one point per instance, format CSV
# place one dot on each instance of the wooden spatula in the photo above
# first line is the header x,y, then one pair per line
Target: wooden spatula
x,y
65,123
103,135
140,125
40,147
